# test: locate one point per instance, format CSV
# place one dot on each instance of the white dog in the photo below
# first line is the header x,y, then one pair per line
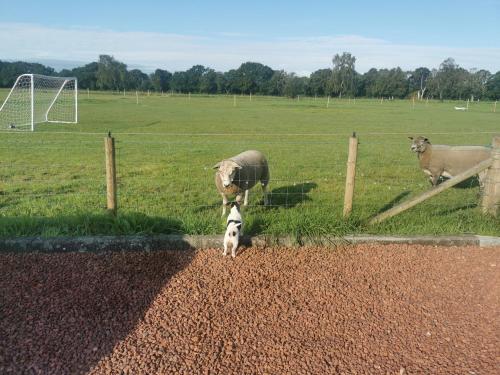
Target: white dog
x,y
234,228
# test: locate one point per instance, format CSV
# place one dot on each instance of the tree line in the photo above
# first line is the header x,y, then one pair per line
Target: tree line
x,y
448,81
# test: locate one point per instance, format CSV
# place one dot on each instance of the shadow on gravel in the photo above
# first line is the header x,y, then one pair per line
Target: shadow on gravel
x,y
291,195
88,224
63,313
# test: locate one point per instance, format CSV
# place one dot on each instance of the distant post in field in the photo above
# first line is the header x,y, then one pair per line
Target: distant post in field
x,y
495,107
328,102
234,100
109,147
136,97
350,175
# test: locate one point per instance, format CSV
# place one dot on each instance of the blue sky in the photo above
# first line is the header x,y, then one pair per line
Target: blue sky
x,y
299,36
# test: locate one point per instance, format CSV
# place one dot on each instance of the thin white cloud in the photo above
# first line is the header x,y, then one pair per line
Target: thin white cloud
x,y
225,51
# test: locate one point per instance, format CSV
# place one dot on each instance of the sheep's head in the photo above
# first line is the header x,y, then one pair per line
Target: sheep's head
x,y
419,144
227,170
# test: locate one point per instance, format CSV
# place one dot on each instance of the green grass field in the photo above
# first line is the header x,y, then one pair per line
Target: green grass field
x,y
53,180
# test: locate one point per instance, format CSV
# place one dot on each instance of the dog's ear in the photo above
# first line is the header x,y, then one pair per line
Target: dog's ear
x,y
410,138
238,225
216,166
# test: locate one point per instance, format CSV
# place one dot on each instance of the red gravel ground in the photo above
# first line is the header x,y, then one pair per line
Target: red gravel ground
x,y
357,310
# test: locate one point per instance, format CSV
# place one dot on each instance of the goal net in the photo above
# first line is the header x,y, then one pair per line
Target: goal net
x,y
35,99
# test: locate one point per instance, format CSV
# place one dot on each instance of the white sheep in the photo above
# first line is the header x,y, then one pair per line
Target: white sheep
x,y
240,173
448,161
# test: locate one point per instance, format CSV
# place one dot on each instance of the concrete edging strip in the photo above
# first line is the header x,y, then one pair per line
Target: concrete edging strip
x,y
186,242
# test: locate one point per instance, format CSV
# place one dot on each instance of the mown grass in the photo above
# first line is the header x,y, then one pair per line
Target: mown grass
x,y
53,181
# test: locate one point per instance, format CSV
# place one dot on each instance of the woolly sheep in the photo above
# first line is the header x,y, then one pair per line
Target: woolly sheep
x,y
448,161
240,173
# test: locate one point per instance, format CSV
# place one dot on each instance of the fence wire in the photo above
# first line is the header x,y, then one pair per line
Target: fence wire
x,y
173,176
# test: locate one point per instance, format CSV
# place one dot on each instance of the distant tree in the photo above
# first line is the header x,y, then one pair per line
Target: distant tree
x,y
343,74
396,84
193,78
370,83
232,81
179,82
160,80
253,77
318,81
86,75
418,81
208,81
493,86
221,82
450,81
137,80
9,71
476,83
111,74
277,83
295,85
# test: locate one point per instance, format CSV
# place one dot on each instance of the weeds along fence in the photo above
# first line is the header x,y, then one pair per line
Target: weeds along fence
x,y
56,183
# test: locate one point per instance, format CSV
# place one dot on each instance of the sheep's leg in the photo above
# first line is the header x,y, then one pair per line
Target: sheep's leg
x,y
264,192
245,202
224,204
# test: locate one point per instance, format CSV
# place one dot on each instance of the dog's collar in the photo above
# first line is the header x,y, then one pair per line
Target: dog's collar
x,y
233,221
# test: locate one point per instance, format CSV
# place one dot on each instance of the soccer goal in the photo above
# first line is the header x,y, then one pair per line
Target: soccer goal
x,y
35,99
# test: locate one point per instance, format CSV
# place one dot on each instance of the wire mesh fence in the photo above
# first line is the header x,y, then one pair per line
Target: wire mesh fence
x,y
164,176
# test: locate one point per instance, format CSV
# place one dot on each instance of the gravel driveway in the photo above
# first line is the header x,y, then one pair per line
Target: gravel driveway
x,y
365,309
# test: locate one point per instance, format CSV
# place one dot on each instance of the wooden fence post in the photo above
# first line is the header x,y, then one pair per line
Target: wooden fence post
x,y
491,194
109,147
351,174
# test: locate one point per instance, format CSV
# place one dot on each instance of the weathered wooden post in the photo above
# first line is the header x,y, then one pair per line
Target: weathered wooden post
x,y
491,194
109,147
351,174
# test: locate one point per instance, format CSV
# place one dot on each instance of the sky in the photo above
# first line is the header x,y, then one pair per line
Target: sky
x,y
297,36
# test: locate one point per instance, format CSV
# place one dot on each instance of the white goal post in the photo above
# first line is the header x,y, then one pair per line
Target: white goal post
x,y
36,99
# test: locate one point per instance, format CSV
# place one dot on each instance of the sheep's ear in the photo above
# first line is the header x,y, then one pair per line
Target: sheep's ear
x,y
426,140
216,166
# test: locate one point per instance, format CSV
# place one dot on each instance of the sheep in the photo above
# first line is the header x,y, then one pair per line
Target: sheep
x,y
240,173
448,161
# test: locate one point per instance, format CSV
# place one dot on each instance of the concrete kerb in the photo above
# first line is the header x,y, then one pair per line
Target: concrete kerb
x,y
187,242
